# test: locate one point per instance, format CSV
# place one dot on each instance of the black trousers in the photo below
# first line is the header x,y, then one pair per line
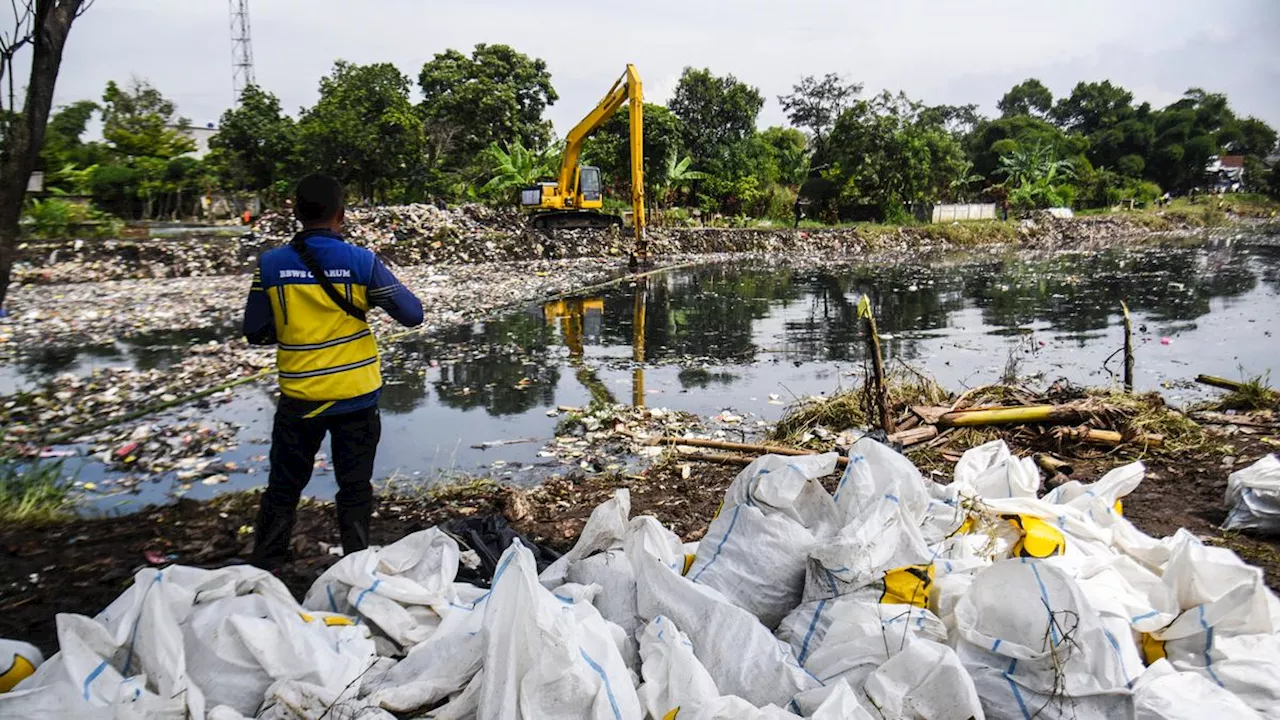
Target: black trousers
x,y
294,443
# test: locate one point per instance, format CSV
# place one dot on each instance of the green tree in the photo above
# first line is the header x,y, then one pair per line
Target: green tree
x,y
1257,138
496,95
257,144
890,154
1092,107
814,104
610,149
145,134
678,175
515,167
1029,97
716,113
788,152
138,121
965,180
1036,177
993,138
363,130
63,143
1188,133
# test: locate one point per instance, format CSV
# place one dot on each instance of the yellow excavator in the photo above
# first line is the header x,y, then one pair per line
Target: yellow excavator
x,y
575,199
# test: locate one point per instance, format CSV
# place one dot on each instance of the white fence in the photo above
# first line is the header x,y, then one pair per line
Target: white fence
x,y
960,213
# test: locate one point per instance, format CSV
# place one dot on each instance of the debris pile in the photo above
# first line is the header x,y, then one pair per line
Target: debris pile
x,y
893,597
80,261
424,234
76,315
66,408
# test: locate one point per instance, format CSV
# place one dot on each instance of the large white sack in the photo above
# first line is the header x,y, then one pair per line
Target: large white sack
x,y
403,589
1121,587
545,658
875,472
741,655
605,530
297,700
834,701
438,667
598,558
131,656
1253,497
850,636
755,549
83,681
885,537
237,647
1229,630
1163,693
991,472
1034,646
1200,574
925,681
672,676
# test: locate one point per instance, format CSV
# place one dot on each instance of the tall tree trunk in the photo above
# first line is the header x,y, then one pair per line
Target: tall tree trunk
x,y
53,20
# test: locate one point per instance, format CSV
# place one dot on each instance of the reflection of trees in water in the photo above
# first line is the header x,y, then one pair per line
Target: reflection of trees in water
x,y
44,362
706,312
902,297
492,382
1078,293
1268,258
696,378
402,392
492,378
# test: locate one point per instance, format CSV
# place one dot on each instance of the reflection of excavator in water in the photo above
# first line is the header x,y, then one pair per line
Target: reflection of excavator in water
x,y
575,199
571,316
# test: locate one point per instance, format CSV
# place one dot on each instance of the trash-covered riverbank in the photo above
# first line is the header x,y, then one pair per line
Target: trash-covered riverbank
x,y
424,235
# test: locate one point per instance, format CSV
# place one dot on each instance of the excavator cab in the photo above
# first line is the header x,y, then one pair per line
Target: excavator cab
x,y
546,196
556,210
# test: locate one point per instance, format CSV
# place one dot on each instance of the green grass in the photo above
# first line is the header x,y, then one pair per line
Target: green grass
x,y
33,493
1255,393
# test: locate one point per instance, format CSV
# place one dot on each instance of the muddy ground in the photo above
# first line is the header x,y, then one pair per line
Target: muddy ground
x,y
80,566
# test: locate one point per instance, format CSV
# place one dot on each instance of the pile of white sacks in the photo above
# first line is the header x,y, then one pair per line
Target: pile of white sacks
x,y
893,598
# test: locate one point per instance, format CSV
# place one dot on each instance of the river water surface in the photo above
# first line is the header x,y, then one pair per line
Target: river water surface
x,y
751,337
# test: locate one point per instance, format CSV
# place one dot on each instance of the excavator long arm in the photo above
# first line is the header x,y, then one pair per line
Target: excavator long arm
x,y
627,88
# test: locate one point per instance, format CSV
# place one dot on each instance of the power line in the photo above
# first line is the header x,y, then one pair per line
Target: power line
x,y
241,48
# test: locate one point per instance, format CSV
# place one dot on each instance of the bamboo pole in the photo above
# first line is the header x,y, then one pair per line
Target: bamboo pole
x,y
1128,349
743,447
878,387
1053,465
1054,414
1224,383
1110,437
1218,382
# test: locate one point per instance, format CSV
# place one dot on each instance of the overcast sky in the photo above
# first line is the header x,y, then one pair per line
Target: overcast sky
x,y
939,51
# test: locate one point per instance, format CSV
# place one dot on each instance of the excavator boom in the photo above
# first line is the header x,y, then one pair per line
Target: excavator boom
x,y
576,192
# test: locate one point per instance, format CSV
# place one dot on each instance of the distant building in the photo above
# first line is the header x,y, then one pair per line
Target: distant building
x,y
1225,173
201,136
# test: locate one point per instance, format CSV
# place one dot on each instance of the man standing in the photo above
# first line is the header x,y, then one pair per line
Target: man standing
x,y
309,299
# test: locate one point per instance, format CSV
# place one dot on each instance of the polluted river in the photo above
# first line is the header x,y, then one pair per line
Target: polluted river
x,y
738,341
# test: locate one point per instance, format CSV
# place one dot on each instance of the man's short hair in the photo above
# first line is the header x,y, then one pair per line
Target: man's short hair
x,y
317,198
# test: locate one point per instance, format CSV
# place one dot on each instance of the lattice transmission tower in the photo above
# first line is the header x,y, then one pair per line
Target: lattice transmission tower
x,y
241,48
